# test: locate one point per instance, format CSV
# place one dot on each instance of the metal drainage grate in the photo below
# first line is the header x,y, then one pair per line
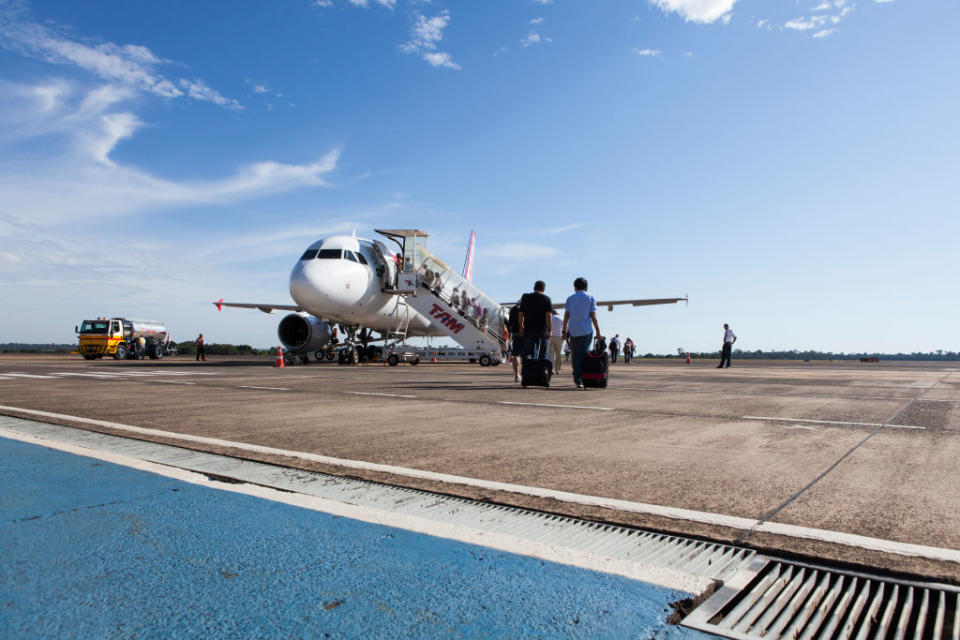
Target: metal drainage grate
x,y
711,560
778,599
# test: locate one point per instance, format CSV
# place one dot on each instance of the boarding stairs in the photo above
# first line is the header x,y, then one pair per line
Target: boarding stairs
x,y
454,305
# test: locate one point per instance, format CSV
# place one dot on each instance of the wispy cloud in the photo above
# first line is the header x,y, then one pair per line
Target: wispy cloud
x,y
130,65
425,34
536,21
565,228
78,179
703,11
822,19
653,53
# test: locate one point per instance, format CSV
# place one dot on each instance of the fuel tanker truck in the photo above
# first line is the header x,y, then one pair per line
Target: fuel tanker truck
x,y
123,338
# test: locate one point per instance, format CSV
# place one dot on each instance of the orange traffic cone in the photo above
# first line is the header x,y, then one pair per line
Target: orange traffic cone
x,y
279,361
688,357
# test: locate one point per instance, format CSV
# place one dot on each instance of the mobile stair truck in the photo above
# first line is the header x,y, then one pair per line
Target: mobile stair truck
x,y
455,306
120,339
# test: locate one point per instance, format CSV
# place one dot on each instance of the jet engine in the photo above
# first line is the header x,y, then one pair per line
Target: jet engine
x,y
302,332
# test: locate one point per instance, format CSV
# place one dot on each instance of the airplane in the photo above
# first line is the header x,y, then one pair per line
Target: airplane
x,y
364,287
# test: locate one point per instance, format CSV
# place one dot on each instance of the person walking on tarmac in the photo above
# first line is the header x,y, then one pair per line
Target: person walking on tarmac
x,y
516,340
536,321
614,348
729,337
581,312
556,340
201,353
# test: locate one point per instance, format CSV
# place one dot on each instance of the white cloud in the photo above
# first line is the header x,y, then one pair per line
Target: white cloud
x,y
425,34
79,180
536,21
130,65
824,14
531,38
703,11
565,228
199,90
440,59
647,52
543,1
390,4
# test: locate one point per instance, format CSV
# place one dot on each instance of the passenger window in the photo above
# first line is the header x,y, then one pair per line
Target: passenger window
x,y
329,254
309,254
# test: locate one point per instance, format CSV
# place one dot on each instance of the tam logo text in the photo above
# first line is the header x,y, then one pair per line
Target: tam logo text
x,y
446,319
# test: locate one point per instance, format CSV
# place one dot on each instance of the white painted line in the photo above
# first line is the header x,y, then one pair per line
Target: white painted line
x,y
669,578
101,376
371,393
244,386
800,426
766,395
30,375
718,519
558,406
836,422
173,382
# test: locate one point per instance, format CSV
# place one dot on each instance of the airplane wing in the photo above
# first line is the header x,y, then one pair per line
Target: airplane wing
x,y
266,308
610,304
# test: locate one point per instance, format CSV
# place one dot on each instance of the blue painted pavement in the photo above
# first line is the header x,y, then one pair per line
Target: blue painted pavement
x,y
90,549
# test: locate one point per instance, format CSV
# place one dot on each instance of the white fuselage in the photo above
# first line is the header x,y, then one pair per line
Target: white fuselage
x,y
337,279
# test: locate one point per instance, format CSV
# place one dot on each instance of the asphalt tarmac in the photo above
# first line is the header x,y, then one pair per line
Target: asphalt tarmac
x,y
838,461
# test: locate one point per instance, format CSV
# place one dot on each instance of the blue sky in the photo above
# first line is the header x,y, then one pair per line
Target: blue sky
x,y
790,165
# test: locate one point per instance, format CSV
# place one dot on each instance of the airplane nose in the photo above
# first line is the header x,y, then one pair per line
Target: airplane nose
x,y
310,283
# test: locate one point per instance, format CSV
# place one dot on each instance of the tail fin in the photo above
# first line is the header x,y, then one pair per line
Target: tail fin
x,y
468,262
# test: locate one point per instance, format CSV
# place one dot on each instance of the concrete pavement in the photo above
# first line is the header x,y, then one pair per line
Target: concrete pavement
x,y
857,449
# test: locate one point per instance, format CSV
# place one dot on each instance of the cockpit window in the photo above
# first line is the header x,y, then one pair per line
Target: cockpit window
x,y
329,254
309,254
361,258
350,255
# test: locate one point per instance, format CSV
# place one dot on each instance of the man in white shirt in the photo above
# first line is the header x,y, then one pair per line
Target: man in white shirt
x,y
556,341
729,337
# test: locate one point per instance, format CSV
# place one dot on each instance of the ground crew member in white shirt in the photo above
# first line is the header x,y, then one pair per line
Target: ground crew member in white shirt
x,y
729,337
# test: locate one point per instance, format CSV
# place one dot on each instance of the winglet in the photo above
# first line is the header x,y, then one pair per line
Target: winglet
x,y
219,304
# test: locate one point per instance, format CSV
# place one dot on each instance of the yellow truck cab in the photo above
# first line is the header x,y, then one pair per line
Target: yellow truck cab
x,y
122,338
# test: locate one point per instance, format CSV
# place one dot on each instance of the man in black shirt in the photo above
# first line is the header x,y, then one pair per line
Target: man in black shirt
x,y
535,320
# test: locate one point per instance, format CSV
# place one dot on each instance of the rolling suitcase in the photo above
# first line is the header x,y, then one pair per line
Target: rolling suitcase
x,y
535,369
596,366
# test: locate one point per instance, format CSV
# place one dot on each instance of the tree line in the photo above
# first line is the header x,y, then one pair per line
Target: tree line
x,y
190,348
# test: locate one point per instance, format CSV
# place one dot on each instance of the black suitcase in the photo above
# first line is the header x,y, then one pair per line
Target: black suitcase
x,y
596,366
535,369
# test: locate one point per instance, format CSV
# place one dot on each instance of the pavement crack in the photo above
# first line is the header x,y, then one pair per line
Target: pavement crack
x,y
786,503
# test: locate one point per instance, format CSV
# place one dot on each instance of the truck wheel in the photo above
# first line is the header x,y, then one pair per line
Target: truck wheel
x,y
318,355
157,352
87,356
121,353
484,361
330,355
393,360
